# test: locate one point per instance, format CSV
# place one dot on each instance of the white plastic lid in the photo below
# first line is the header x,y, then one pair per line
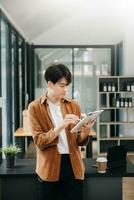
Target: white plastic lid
x,y
101,159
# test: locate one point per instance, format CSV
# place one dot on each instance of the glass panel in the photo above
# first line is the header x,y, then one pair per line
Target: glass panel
x,y
0,98
0,73
0,130
0,123
4,57
0,76
13,83
17,79
88,64
44,58
20,80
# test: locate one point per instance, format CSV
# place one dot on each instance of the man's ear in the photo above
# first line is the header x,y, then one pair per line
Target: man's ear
x,y
49,84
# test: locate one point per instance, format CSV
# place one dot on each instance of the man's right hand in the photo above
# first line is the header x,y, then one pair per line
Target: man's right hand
x,y
69,119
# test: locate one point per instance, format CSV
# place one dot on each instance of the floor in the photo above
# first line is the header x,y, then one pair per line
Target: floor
x,y
128,188
128,182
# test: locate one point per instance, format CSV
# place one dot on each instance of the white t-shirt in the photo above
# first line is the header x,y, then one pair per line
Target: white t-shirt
x,y
57,118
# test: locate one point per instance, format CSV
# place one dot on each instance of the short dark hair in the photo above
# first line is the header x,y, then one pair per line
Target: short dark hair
x,y
57,71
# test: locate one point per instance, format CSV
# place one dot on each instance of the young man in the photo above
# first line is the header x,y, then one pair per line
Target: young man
x,y
59,166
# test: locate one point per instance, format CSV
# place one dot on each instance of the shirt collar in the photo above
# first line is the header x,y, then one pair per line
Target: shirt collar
x,y
44,98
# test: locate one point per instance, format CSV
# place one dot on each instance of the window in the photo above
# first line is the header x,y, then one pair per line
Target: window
x,y
12,80
85,63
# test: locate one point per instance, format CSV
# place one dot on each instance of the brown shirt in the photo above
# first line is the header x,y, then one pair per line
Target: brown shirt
x,y
48,157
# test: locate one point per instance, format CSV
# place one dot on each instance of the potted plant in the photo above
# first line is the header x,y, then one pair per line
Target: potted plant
x,y
10,153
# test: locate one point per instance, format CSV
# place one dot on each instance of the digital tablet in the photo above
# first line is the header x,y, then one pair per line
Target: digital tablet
x,y
89,117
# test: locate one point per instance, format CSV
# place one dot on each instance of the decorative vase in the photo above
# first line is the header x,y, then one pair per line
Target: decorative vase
x,y
10,160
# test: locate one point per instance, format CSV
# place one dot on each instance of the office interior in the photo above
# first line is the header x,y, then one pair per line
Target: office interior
x,y
94,39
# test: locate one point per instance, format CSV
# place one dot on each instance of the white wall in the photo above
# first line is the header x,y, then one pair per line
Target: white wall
x,y
129,41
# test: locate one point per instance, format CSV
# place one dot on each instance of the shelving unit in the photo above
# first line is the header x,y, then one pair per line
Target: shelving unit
x,y
116,124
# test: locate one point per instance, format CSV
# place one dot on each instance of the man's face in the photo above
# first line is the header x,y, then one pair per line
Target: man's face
x,y
59,89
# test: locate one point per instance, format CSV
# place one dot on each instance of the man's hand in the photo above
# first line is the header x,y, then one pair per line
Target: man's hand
x,y
87,127
69,119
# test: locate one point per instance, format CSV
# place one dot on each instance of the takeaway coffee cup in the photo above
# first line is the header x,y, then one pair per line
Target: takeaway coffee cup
x,y
101,164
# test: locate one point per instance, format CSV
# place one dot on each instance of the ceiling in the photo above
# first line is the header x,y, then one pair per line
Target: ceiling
x,y
37,16
42,21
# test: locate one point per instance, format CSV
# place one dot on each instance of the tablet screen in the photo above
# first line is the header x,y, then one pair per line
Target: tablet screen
x,y
90,116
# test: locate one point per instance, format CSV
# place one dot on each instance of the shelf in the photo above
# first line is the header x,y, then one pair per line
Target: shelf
x,y
110,108
117,138
111,138
116,124
116,92
105,154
